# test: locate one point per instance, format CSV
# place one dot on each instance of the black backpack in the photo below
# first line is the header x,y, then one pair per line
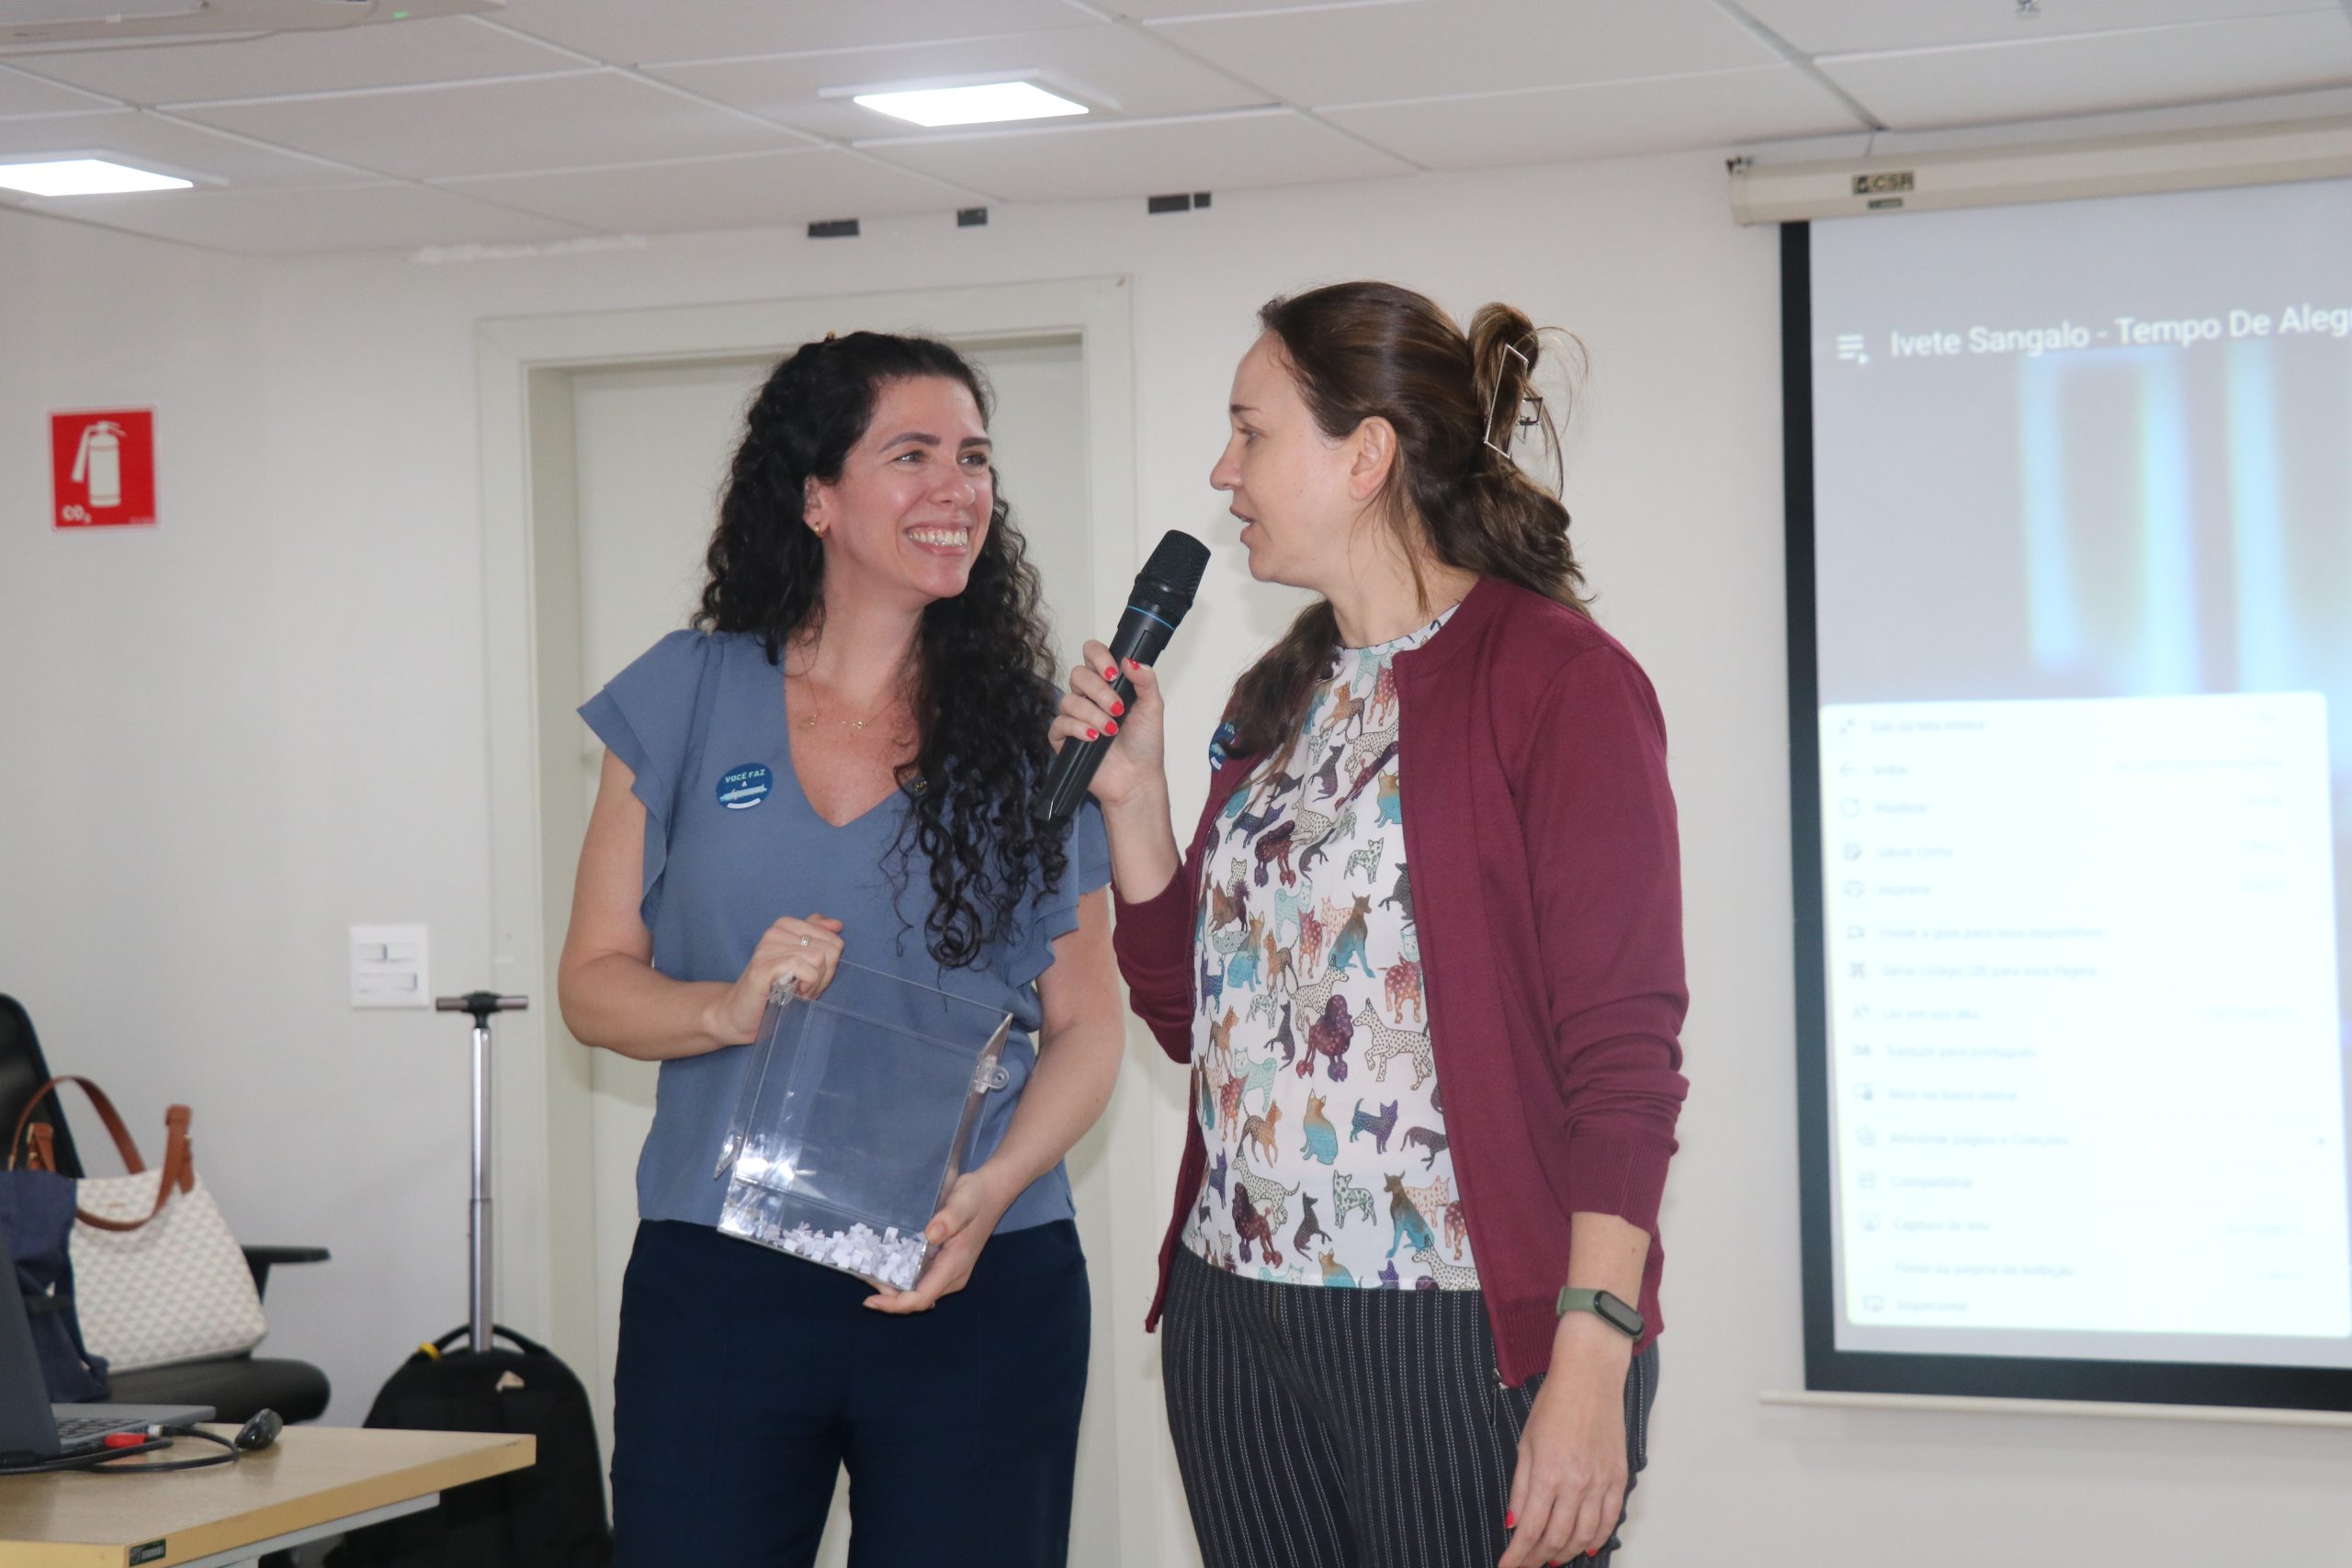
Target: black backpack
x,y
550,1515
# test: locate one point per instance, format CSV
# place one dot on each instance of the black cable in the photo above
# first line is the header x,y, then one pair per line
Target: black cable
x,y
104,1466
104,1462
84,1461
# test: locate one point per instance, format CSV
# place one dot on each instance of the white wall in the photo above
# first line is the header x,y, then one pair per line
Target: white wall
x,y
223,741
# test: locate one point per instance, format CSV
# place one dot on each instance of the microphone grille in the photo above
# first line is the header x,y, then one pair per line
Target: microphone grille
x,y
1177,562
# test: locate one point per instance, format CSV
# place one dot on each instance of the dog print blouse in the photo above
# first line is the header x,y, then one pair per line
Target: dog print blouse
x,y
1312,1075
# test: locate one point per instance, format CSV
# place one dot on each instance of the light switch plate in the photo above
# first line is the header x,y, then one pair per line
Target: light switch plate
x,y
388,967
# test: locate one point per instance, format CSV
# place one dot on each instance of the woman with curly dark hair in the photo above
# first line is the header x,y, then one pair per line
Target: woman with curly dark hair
x,y
851,728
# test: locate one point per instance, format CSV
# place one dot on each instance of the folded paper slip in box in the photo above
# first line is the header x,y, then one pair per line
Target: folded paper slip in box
x,y
853,1116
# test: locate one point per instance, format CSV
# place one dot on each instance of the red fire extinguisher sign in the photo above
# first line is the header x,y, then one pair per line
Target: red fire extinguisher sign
x,y
102,468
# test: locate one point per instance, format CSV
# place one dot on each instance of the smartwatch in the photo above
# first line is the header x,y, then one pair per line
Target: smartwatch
x,y
1625,1319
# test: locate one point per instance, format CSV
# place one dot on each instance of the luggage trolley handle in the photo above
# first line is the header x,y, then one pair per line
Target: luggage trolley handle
x,y
481,1004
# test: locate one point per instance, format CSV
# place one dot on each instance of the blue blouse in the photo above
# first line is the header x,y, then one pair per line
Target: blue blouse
x,y
731,845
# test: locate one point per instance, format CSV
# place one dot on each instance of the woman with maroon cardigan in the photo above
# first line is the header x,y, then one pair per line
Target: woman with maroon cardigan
x,y
1424,957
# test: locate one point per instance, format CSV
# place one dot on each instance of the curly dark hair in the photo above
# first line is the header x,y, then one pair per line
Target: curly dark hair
x,y
987,647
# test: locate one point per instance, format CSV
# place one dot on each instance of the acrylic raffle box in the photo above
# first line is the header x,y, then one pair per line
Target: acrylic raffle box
x,y
853,1115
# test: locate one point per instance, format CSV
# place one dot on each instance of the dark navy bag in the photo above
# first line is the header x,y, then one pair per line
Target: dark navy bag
x,y
37,1216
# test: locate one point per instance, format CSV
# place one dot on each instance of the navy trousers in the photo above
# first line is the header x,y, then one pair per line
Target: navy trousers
x,y
748,1378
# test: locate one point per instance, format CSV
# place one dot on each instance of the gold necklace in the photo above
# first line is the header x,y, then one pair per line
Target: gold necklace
x,y
809,721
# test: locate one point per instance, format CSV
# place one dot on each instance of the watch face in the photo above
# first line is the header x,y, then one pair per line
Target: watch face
x,y
1620,1317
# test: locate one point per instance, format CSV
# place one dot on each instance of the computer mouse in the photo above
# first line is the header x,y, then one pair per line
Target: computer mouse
x,y
259,1432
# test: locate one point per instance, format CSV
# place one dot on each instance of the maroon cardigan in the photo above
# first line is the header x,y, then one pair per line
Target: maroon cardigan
x,y
1540,834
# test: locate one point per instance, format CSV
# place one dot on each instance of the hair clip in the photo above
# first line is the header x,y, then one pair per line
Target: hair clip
x,y
1487,436
830,336
1225,735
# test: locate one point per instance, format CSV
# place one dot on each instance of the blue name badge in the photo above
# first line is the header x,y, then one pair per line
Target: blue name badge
x,y
745,787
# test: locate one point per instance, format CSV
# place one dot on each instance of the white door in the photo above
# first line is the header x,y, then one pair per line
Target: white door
x,y
651,446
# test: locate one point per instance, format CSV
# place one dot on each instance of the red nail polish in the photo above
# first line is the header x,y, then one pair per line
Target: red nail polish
x,y
1110,674
1092,735
1113,726
1117,707
1511,1519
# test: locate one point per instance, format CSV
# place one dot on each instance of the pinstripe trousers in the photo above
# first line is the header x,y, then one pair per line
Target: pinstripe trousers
x,y
1349,1428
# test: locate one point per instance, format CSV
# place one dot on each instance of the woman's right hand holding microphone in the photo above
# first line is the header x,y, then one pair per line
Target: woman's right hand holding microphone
x,y
1132,783
1133,770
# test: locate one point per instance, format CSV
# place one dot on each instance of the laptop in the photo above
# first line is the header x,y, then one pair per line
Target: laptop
x,y
31,1428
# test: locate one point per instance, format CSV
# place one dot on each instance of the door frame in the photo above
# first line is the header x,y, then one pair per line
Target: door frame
x,y
545,1230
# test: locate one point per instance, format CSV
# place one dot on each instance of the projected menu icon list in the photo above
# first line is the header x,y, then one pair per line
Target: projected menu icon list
x,y
2071,946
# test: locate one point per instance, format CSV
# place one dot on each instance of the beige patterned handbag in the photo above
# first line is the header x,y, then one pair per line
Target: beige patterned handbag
x,y
157,1277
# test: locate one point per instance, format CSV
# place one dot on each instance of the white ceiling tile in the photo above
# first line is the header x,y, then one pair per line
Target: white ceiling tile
x,y
391,55
2097,72
1605,120
21,95
1842,26
1111,69
765,190
350,218
150,141
642,32
1418,48
525,139
1137,158
542,122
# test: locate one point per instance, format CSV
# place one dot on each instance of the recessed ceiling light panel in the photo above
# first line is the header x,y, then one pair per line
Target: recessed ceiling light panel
x,y
83,176
984,103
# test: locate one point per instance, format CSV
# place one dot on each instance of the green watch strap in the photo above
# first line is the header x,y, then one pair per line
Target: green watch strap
x,y
1609,1308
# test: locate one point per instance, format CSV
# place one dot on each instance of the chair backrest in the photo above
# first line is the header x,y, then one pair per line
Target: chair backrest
x,y
23,1069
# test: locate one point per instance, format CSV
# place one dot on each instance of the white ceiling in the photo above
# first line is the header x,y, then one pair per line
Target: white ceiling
x,y
545,121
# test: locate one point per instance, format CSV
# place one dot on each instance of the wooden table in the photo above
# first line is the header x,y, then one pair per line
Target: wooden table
x,y
316,1481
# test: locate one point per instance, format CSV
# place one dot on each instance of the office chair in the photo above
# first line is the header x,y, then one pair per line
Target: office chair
x,y
235,1387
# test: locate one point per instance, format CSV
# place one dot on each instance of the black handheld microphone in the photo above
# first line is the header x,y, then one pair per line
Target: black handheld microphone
x,y
1163,592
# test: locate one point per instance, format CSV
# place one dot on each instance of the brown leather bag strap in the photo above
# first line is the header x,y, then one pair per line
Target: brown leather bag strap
x,y
177,1175
179,1155
106,1115
104,1224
